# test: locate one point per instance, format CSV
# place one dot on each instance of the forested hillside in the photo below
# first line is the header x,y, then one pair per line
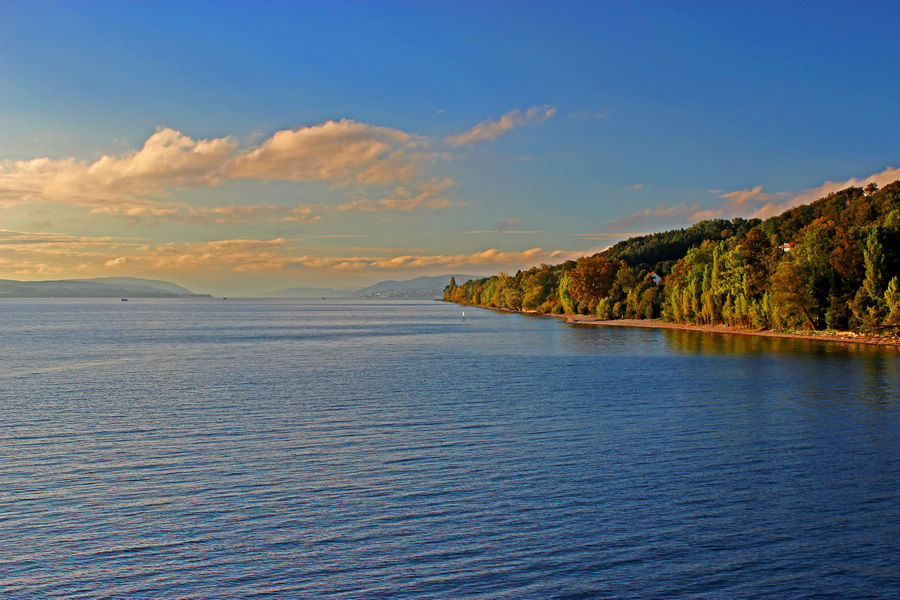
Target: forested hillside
x,y
831,264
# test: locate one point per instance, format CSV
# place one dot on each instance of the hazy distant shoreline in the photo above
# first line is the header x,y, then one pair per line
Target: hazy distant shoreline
x,y
101,287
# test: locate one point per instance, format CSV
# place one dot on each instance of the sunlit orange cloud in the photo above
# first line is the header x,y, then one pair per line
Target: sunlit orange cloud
x,y
167,159
136,183
278,255
346,153
678,212
404,199
242,214
490,130
338,151
752,202
31,255
769,209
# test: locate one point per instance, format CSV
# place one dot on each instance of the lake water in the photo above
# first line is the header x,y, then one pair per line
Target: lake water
x,y
341,449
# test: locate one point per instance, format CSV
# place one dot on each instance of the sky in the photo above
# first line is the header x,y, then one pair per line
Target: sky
x,y
241,147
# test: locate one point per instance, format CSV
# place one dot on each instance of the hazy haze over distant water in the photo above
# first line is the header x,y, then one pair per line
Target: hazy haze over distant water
x,y
350,449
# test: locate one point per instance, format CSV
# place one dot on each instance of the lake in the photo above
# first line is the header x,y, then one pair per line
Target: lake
x,y
354,449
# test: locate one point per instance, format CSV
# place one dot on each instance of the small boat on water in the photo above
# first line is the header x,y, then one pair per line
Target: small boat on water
x,y
124,299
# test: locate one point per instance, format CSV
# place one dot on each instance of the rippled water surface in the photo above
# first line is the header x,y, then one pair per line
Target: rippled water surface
x,y
308,449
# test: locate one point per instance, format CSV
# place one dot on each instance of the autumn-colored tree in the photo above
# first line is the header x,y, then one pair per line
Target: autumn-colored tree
x,y
590,280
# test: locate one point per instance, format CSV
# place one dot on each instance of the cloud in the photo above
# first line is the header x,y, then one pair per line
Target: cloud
x,y
491,257
10,238
167,159
135,184
772,208
342,151
405,199
608,235
490,130
346,153
507,224
736,202
301,213
678,211
242,214
29,254
752,202
637,186
40,255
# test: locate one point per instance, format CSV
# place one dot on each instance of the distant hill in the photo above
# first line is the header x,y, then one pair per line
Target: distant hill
x,y
102,287
420,287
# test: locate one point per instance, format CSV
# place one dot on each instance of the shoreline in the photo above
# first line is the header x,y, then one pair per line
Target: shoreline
x,y
847,337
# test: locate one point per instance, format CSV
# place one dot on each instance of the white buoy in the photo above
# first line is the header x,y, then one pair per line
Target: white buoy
x,y
464,316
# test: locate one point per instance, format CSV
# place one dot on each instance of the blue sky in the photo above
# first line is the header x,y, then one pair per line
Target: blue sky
x,y
250,146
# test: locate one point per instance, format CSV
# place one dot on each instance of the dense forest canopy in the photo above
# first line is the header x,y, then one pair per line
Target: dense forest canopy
x,y
831,264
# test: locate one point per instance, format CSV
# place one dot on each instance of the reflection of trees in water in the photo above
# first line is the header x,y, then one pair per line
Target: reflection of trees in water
x,y
604,339
814,370
875,370
697,342
882,370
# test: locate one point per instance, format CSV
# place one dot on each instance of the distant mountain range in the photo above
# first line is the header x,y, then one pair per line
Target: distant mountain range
x,y
419,287
102,287
133,287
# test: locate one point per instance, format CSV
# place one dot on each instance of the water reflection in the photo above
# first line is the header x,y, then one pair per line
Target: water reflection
x,y
697,342
882,372
593,338
602,339
813,370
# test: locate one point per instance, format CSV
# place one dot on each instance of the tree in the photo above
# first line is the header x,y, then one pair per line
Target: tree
x,y
757,257
450,289
592,279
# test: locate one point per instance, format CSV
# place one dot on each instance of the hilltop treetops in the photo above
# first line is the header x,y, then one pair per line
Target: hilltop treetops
x,y
832,264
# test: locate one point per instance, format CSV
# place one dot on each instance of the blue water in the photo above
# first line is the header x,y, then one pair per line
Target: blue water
x,y
308,449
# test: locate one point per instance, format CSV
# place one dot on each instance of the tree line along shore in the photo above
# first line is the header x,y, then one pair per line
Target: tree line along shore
x,y
831,265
